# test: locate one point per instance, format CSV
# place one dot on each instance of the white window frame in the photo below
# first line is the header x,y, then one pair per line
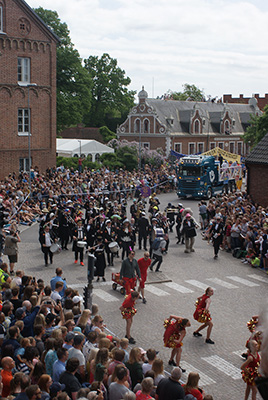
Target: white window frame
x,y
210,145
146,145
199,126
203,145
241,144
222,145
136,131
233,143
25,162
24,64
148,131
180,145
1,18
24,113
189,145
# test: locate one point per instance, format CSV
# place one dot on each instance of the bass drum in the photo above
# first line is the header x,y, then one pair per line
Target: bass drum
x,y
114,247
81,243
158,233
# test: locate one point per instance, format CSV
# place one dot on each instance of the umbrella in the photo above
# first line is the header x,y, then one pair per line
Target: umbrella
x,y
116,216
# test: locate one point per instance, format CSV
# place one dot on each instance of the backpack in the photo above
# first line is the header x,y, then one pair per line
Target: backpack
x,y
156,243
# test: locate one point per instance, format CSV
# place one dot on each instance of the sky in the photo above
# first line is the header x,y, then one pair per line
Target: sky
x,y
219,46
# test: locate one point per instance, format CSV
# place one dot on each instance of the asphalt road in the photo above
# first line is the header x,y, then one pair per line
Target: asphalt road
x,y
240,292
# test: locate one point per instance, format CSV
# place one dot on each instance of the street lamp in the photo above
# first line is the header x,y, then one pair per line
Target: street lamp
x,y
29,85
79,146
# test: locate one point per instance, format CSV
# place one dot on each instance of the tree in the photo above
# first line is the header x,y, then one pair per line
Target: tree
x,y
258,128
73,81
107,134
190,92
111,100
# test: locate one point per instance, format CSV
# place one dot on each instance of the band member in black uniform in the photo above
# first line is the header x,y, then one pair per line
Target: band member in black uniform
x,y
170,210
109,237
127,239
90,231
64,228
134,209
79,235
100,262
143,225
178,227
100,225
46,239
217,235
150,234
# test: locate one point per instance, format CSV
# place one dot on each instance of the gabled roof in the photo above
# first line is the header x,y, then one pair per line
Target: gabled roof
x,y
259,154
28,9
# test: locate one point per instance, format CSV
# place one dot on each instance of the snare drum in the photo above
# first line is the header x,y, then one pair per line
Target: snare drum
x,y
158,233
114,247
54,248
81,244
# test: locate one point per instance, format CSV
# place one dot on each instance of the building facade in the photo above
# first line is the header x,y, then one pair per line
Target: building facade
x,y
187,127
27,89
261,101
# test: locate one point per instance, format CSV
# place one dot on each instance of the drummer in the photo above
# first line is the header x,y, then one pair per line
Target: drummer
x,y
109,236
79,235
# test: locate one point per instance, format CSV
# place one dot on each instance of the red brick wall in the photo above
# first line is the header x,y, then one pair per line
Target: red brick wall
x,y
40,47
262,101
155,143
258,183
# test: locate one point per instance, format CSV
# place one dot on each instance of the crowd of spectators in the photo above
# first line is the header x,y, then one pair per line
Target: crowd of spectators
x,y
245,227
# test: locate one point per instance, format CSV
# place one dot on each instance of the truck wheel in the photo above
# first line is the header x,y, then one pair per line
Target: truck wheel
x,y
122,291
209,193
114,286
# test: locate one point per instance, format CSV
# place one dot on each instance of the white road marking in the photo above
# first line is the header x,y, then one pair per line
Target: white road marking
x,y
197,284
155,290
223,283
104,295
224,366
97,284
259,278
243,281
179,288
204,379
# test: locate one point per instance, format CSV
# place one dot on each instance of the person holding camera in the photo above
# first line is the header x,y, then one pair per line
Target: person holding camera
x,y
11,248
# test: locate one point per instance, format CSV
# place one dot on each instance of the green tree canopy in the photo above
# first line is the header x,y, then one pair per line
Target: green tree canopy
x,y
258,128
189,92
111,99
107,134
73,81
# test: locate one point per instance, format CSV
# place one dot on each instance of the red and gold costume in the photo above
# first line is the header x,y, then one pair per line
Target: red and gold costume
x,y
143,265
201,314
129,310
250,373
173,332
256,335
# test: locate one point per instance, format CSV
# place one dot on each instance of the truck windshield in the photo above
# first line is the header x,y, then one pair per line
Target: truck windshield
x,y
190,171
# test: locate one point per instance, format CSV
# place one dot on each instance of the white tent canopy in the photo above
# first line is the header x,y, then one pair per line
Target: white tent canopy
x,y
81,147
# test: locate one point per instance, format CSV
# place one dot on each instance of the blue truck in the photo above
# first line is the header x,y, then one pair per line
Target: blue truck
x,y
201,176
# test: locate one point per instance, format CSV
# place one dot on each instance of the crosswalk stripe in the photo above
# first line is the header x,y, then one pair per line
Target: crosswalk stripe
x,y
223,366
197,284
223,283
104,295
178,288
81,285
204,379
258,278
243,281
155,290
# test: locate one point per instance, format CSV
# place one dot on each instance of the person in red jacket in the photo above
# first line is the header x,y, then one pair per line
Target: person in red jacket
x,y
202,314
143,263
128,311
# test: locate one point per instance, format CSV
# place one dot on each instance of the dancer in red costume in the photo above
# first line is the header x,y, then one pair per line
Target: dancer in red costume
x,y
250,369
143,263
128,311
202,314
173,336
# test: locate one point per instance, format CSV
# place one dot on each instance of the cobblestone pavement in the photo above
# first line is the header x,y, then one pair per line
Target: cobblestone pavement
x,y
240,291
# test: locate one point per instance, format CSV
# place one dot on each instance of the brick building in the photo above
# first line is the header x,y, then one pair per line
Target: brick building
x,y
82,132
187,127
257,166
27,89
261,101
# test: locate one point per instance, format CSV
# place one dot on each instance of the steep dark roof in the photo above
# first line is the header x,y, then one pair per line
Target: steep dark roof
x,y
259,154
26,6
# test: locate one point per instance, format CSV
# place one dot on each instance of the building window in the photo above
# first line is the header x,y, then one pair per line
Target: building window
x,y
212,145
24,164
146,126
200,147
227,127
137,126
232,147
191,148
146,145
23,121
221,145
177,147
240,148
1,19
23,69
197,126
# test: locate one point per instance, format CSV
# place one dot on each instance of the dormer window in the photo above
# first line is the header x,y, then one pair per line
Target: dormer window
x,y
197,126
137,126
227,127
